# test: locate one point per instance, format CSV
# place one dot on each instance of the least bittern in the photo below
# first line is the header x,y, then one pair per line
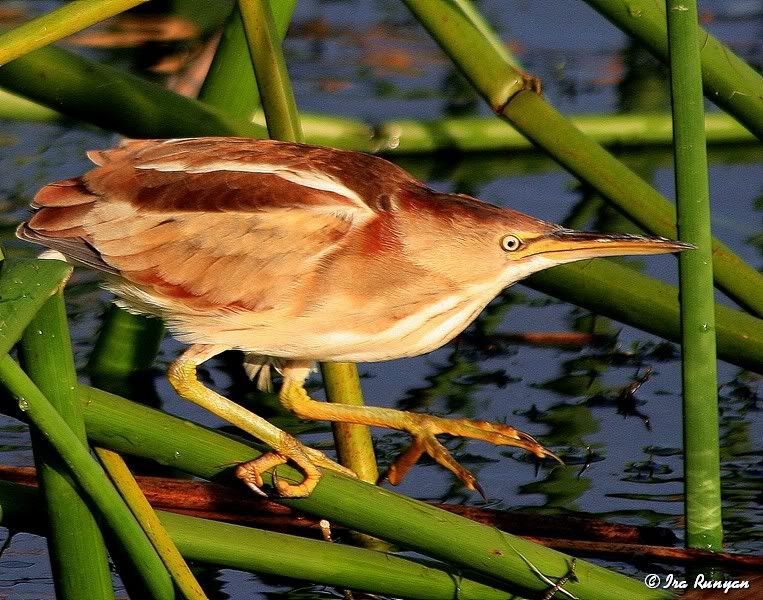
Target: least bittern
x,y
296,254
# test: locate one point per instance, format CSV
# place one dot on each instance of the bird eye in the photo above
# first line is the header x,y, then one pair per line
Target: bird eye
x,y
510,243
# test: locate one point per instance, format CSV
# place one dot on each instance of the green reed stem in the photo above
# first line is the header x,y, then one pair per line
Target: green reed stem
x,y
125,344
101,95
25,286
70,18
409,136
178,569
269,553
16,108
76,547
283,122
230,84
704,528
90,477
354,446
269,65
729,81
488,134
503,88
131,428
618,292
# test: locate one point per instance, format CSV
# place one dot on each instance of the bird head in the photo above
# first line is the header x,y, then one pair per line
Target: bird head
x,y
480,243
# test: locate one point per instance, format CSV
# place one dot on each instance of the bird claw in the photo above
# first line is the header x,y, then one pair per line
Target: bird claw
x,y
251,474
423,429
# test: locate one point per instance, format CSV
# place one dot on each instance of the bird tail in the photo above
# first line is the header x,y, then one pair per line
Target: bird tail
x,y
258,368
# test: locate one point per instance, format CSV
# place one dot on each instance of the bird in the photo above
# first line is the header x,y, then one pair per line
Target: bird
x,y
296,254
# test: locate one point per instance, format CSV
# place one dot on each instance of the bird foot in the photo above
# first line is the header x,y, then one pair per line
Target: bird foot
x,y
307,460
423,428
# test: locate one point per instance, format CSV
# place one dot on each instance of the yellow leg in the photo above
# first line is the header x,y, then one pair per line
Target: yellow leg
x,y
182,376
423,429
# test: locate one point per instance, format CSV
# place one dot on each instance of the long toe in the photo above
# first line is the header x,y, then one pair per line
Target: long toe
x,y
428,443
498,434
251,474
423,429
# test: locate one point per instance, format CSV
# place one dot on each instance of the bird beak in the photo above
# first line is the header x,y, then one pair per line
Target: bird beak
x,y
566,245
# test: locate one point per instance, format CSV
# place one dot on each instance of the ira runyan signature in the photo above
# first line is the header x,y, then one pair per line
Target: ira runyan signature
x,y
700,582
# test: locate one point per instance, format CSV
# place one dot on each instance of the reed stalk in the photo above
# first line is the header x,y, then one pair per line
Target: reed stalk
x,y
178,569
131,428
25,286
15,108
70,18
410,136
91,479
704,528
615,291
273,81
728,80
353,443
76,547
503,87
126,343
104,96
236,547
488,134
282,118
230,84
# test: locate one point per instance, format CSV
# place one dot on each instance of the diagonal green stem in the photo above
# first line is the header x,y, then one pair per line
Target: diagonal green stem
x,y
107,97
77,551
120,474
728,80
131,428
503,88
704,528
269,553
90,477
618,292
70,18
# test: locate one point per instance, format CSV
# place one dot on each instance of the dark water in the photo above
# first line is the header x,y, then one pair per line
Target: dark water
x,y
369,60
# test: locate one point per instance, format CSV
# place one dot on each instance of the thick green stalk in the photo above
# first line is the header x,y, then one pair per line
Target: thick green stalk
x,y
125,344
101,95
503,88
337,565
486,134
120,474
90,477
15,108
270,70
728,80
131,428
70,18
409,136
280,109
618,292
354,446
269,553
704,528
25,286
230,84
77,551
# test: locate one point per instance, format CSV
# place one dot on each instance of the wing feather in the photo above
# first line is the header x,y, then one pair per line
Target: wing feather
x,y
174,219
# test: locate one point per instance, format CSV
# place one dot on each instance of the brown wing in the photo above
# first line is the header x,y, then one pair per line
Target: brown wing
x,y
211,223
